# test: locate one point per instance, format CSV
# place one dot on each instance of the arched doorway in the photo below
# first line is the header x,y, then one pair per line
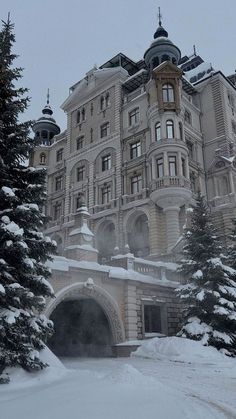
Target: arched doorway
x,y
138,235
93,308
106,241
81,329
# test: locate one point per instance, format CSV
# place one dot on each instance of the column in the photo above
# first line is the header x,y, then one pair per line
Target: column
x,y
165,162
179,164
172,226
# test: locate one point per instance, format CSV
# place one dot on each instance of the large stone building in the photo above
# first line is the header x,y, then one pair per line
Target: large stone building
x,y
141,139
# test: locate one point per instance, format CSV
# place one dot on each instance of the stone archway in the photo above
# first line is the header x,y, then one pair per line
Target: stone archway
x,y
87,296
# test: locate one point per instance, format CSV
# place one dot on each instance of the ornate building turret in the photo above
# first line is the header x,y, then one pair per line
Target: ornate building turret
x,y
161,49
45,127
168,153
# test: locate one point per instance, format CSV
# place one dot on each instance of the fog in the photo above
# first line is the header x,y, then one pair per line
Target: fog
x,y
81,330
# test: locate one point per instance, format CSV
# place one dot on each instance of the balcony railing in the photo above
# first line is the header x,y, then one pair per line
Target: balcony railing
x,y
170,181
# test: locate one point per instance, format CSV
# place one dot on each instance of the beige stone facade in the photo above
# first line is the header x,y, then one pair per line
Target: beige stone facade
x,y
141,139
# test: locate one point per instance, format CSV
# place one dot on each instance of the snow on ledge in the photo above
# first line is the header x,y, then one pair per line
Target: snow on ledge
x,y
60,263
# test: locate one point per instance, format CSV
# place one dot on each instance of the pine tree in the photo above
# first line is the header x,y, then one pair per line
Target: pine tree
x,y
231,248
210,292
23,248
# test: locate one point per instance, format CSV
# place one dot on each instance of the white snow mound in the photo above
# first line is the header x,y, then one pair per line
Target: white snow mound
x,y
21,378
179,350
127,374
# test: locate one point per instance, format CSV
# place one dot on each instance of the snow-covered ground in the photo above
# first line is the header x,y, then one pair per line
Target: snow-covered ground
x,y
169,378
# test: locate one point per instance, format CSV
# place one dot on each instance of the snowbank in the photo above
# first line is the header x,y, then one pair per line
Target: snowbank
x,y
179,350
21,378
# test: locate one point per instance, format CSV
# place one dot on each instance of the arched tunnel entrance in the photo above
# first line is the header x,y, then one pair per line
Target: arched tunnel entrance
x,y
81,329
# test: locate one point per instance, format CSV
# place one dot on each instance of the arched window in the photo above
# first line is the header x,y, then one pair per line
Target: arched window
x,y
181,130
158,131
168,92
169,128
78,117
42,158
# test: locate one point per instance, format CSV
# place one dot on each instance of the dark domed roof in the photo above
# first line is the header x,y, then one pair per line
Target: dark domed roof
x,y
160,32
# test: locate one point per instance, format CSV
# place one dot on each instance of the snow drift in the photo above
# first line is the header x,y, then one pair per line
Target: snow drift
x,y
179,350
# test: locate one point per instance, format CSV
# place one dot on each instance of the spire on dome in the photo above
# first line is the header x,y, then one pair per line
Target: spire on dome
x,y
160,30
48,97
159,16
47,109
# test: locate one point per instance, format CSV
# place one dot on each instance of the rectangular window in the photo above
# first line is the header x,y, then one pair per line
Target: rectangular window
x,y
172,166
190,149
152,319
80,173
80,143
106,194
187,117
135,150
59,154
59,180
105,129
57,211
106,162
193,182
183,166
136,184
160,167
134,117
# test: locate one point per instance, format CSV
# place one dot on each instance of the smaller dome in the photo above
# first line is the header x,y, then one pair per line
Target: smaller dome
x,y
160,32
47,110
161,49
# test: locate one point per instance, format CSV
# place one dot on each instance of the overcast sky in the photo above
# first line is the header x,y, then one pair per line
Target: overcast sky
x,y
60,40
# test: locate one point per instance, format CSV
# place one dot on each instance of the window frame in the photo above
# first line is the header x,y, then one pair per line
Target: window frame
x,y
170,126
187,116
168,94
160,167
80,173
106,194
58,183
158,131
106,162
134,117
135,150
42,158
59,155
104,130
135,183
172,164
57,211
80,139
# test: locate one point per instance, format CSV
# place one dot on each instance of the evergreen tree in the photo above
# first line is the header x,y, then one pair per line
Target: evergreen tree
x,y
231,248
210,292
23,248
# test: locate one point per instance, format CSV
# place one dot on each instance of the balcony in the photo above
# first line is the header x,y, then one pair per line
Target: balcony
x,y
170,191
170,181
223,200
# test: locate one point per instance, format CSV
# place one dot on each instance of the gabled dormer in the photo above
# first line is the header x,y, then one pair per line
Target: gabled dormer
x,y
168,83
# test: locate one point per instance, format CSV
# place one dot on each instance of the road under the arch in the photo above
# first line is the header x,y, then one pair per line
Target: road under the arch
x,y
81,329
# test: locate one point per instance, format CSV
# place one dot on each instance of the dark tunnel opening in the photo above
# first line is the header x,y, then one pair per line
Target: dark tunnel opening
x,y
81,330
